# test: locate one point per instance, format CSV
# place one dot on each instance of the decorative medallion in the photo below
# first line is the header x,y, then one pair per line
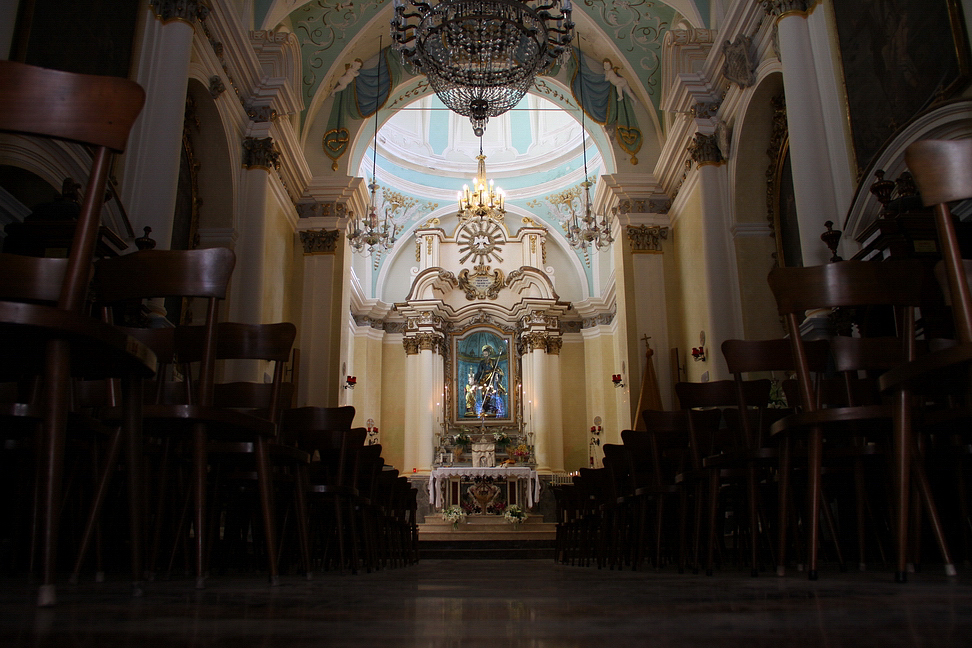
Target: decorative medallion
x,y
741,61
481,284
483,241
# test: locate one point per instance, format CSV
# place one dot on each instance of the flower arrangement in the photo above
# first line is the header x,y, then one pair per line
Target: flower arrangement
x,y
514,514
462,439
501,439
520,452
454,515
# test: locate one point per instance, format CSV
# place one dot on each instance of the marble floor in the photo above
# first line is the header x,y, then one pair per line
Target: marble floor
x,y
490,603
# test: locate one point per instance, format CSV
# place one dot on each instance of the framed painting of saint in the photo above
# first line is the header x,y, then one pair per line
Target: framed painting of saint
x,y
483,375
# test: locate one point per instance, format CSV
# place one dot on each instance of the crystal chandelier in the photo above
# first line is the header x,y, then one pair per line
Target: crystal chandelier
x,y
584,230
485,201
373,233
481,56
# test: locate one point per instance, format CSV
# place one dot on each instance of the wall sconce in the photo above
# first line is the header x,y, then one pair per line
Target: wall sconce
x,y
616,379
350,382
698,353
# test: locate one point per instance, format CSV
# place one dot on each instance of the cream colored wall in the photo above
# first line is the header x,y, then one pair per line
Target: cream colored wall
x,y
392,427
600,360
366,366
279,298
690,284
577,423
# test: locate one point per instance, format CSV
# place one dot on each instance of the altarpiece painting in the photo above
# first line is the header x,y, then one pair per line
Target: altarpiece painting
x,y
482,378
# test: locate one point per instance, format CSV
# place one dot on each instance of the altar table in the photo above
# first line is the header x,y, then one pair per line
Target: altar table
x,y
439,477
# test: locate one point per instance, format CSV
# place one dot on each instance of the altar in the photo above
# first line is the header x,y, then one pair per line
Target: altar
x,y
522,485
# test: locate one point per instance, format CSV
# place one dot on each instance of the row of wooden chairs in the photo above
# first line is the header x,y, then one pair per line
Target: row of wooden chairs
x,y
865,407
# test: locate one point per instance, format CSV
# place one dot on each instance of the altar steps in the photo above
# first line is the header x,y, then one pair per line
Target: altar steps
x,y
487,537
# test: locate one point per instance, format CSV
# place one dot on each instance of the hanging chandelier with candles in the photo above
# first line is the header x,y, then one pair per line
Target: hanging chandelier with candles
x,y
583,226
373,233
481,56
485,201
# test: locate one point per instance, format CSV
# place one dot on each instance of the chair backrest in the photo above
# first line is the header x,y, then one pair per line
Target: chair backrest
x,y
846,284
265,342
942,170
202,274
94,110
31,279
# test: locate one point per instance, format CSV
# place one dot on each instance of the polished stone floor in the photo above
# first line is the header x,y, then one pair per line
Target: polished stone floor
x,y
494,603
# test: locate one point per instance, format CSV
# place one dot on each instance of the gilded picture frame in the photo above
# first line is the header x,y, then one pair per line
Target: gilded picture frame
x,y
484,373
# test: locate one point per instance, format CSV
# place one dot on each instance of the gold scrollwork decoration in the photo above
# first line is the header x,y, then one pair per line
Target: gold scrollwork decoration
x,y
335,144
630,140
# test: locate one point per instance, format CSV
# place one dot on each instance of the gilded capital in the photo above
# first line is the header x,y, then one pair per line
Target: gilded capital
x,y
536,341
646,239
704,149
259,153
429,342
183,10
411,345
780,8
319,241
554,344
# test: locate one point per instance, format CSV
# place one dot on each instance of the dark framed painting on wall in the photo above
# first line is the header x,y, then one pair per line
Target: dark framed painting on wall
x,y
483,374
899,57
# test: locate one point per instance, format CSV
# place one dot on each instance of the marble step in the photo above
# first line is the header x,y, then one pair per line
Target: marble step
x,y
486,528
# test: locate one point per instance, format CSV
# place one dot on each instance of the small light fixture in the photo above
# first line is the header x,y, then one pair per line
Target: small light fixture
x,y
617,380
350,382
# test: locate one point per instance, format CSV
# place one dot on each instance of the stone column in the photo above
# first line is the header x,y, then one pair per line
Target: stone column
x,y
541,387
822,177
555,420
722,277
322,316
150,171
423,389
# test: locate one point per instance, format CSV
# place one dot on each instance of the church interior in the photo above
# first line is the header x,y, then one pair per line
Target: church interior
x,y
499,297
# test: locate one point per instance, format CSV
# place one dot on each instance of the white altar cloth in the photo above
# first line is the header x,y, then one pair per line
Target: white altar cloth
x,y
440,476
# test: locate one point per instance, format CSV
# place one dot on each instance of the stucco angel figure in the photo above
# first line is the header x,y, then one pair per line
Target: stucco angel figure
x,y
351,70
612,74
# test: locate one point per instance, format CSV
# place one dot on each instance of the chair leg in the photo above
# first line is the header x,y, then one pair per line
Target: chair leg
x,y
921,480
106,472
199,460
300,502
902,471
49,479
713,510
828,517
132,426
753,519
265,479
814,461
783,494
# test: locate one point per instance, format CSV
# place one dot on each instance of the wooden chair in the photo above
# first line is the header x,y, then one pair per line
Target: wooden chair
x,y
896,284
723,454
761,356
942,170
659,455
252,454
97,112
198,274
332,476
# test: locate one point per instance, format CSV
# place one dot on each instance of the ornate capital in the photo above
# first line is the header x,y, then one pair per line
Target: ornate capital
x,y
706,109
536,341
554,344
778,8
646,239
319,241
704,149
411,345
259,153
741,61
430,342
185,10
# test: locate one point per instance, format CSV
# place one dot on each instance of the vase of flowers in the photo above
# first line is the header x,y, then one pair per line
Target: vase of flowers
x,y
454,515
520,453
514,515
501,439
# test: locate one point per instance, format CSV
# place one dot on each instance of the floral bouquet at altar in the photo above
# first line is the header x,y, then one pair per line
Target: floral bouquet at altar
x,y
514,514
454,515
